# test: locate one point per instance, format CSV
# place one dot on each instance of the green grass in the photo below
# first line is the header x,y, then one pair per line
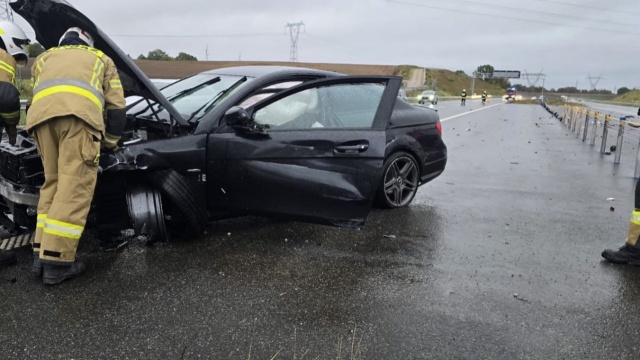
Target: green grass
x,y
632,97
451,84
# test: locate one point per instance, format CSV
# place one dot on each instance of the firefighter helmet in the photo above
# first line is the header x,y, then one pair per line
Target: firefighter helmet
x,y
15,41
78,33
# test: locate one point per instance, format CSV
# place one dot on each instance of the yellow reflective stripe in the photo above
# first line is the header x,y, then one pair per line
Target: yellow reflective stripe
x,y
97,69
51,231
635,217
111,139
115,84
64,225
8,67
41,220
11,114
96,52
68,89
63,229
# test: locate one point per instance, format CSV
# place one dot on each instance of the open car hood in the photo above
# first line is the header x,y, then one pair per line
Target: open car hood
x,y
51,18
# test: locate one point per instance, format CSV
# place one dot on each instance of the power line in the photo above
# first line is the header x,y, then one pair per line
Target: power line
x,y
196,35
513,18
590,7
5,10
519,9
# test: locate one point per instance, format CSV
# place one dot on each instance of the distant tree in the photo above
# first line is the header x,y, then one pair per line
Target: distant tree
x,y
623,90
35,49
461,72
158,55
142,57
485,69
569,90
186,57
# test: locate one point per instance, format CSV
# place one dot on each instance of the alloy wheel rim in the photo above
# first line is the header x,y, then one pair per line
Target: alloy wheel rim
x,y
401,181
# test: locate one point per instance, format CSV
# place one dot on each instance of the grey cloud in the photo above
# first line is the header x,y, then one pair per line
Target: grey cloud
x,y
382,32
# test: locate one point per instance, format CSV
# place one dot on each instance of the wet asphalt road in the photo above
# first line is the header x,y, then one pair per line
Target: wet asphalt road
x,y
499,258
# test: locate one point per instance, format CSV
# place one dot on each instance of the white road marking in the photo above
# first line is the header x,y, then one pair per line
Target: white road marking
x,y
470,112
616,109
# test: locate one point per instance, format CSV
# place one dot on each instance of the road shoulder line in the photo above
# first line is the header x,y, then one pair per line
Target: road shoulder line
x,y
470,112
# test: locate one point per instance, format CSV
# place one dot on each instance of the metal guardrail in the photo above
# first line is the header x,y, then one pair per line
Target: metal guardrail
x,y
573,116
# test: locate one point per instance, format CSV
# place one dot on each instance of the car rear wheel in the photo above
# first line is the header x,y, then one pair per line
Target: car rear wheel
x,y
400,180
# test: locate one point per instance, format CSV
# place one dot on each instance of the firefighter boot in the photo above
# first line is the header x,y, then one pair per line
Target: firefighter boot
x,y
630,252
38,267
55,274
7,259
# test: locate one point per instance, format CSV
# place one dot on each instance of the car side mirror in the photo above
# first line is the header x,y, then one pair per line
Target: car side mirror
x,y
237,117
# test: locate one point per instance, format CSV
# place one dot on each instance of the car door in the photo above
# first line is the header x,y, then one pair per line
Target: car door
x,y
319,157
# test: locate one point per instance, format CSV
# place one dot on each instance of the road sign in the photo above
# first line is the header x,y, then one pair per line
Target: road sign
x,y
505,74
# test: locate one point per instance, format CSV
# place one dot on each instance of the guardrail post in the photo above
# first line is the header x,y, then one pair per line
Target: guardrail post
x,y
573,120
605,134
579,124
586,126
595,128
620,138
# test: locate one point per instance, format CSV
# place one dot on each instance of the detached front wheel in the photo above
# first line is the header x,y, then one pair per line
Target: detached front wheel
x,y
400,180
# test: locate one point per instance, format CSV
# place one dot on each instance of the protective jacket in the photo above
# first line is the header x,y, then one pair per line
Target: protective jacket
x,y
484,96
464,94
79,81
9,94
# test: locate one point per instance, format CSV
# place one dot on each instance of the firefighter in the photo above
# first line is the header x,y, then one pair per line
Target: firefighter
x,y
13,54
77,109
630,252
484,97
463,97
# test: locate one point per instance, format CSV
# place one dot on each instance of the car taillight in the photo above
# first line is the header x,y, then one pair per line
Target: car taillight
x,y
439,127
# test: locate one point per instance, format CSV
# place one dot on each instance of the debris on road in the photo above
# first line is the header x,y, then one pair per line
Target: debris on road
x,y
519,298
612,209
389,236
611,199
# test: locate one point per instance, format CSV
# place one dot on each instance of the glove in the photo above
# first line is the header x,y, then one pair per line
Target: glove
x,y
12,131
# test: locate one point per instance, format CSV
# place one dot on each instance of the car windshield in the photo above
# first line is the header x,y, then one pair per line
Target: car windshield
x,y
189,96
429,93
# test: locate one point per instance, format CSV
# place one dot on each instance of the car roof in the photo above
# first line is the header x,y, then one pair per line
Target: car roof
x,y
262,70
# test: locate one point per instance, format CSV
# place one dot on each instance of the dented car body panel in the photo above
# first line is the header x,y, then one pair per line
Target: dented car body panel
x,y
312,146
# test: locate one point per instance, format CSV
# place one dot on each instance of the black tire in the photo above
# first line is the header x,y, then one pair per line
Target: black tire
x,y
182,196
398,185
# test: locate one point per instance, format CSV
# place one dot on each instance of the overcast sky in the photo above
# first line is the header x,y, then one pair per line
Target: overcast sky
x,y
568,41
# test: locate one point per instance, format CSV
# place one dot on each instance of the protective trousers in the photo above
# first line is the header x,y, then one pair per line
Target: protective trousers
x,y
70,152
634,225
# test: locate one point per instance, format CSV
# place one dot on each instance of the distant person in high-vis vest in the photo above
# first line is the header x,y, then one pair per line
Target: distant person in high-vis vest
x,y
77,108
13,53
630,252
463,97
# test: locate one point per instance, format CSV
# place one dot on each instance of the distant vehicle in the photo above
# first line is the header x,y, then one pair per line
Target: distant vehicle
x,y
428,96
402,94
511,94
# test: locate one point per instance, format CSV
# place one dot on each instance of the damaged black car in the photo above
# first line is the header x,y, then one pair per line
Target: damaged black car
x,y
287,142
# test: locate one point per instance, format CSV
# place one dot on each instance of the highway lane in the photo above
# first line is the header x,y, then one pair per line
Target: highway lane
x,y
499,258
